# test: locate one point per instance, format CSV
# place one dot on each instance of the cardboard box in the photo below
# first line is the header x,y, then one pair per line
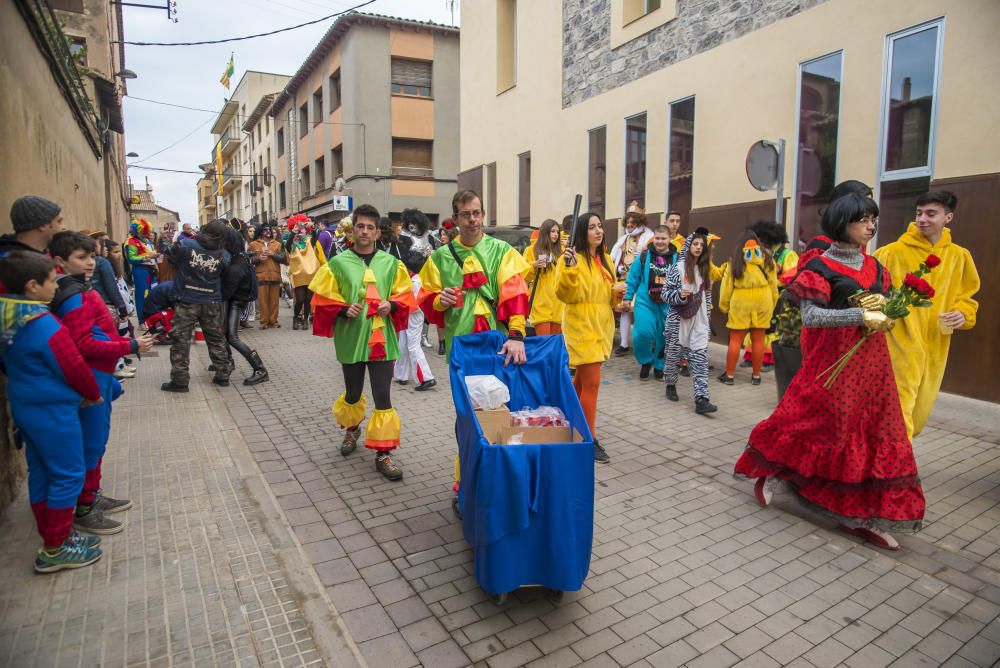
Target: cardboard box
x,y
493,423
541,434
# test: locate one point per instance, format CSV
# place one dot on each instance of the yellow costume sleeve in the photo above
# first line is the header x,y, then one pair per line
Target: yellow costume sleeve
x,y
716,272
529,259
968,287
570,285
726,290
324,284
511,264
772,282
431,286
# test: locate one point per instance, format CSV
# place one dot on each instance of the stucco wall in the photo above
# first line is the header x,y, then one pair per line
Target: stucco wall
x,y
745,90
45,152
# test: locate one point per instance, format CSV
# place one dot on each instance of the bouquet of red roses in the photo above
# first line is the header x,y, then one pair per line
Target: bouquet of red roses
x,y
915,292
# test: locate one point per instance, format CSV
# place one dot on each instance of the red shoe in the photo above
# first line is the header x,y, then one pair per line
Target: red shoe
x,y
877,538
764,488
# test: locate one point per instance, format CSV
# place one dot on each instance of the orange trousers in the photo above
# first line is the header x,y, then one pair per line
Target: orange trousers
x,y
267,304
736,344
546,328
587,382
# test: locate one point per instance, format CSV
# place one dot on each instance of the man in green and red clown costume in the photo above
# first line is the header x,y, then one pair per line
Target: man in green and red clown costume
x,y
476,282
363,297
141,257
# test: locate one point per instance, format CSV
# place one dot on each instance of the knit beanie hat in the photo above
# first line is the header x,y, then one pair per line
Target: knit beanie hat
x,y
31,211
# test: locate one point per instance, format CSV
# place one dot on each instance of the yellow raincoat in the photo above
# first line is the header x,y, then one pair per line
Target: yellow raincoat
x,y
918,348
750,299
589,323
546,307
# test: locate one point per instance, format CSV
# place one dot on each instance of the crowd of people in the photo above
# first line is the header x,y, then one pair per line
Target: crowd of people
x,y
377,286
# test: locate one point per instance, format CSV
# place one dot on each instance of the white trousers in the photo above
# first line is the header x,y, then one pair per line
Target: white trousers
x,y
412,363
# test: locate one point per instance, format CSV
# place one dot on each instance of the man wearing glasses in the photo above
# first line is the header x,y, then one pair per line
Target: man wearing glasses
x,y
476,282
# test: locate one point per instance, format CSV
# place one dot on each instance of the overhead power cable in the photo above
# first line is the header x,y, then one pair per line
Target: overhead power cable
x,y
246,37
241,117
167,148
181,171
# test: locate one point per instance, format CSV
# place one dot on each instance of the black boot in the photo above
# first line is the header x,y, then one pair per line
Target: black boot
x,y
295,323
440,347
259,374
672,393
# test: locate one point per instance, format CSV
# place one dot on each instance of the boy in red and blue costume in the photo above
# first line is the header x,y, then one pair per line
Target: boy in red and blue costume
x,y
85,315
48,383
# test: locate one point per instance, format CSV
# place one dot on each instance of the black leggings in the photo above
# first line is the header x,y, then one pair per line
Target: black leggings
x,y
233,314
303,301
379,376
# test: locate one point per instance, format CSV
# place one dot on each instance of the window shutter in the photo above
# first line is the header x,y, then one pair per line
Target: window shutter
x,y
411,72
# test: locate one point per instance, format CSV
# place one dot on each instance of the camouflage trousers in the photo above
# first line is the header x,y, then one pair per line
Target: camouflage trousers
x,y
186,317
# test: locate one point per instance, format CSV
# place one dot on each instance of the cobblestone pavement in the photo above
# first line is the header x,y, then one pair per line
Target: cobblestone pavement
x,y
687,569
206,572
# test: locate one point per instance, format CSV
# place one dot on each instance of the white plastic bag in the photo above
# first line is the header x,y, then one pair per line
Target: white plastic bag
x,y
487,392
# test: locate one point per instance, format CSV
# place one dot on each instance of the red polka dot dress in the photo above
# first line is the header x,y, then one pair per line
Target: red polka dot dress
x,y
844,449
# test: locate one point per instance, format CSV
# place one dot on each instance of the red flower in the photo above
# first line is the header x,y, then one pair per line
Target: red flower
x,y
924,288
932,261
911,281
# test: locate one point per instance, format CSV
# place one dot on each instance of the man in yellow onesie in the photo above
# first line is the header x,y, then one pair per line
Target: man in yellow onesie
x,y
919,342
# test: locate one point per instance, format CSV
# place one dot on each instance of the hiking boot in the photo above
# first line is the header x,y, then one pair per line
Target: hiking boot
x,y
221,382
173,387
658,374
755,380
350,442
672,393
426,385
622,351
644,371
726,379
702,406
77,539
108,505
686,371
94,521
68,556
385,466
600,455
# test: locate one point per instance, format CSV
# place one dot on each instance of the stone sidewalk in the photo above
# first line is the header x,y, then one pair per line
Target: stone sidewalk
x,y
206,572
687,569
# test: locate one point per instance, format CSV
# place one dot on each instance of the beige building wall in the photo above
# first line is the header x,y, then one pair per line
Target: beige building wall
x,y
745,90
48,152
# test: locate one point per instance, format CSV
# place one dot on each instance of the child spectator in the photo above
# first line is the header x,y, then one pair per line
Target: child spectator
x,y
748,294
689,292
198,287
85,315
49,383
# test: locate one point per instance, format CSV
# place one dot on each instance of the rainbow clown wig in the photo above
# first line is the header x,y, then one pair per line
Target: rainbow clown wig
x,y
141,228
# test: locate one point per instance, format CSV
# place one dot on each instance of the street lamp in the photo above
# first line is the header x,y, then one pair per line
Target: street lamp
x,y
127,74
131,154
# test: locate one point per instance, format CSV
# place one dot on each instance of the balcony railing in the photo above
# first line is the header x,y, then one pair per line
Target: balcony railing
x,y
229,141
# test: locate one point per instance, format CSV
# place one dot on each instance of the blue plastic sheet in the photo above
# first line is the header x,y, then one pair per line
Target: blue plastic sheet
x,y
527,510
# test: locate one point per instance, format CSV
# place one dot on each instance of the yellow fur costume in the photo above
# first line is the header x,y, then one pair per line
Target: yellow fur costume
x,y
749,299
918,348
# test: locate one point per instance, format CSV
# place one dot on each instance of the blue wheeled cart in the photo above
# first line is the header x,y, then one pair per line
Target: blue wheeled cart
x,y
527,510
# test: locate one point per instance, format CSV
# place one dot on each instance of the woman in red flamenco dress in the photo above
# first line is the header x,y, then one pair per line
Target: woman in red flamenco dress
x,y
844,449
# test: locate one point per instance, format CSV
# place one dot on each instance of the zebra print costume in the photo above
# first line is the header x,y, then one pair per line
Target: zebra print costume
x,y
674,352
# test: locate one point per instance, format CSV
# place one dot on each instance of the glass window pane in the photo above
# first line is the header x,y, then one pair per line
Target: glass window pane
x,y
819,120
635,160
597,180
681,168
911,100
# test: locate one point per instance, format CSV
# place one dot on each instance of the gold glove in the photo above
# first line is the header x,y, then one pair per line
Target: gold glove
x,y
877,321
868,301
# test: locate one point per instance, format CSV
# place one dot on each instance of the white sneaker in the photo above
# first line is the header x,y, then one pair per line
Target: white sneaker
x,y
425,342
125,372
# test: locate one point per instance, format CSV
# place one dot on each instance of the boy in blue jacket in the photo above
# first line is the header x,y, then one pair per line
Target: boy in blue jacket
x,y
48,383
83,313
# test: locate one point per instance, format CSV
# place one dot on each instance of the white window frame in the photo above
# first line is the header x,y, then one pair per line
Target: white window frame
x,y
792,217
928,169
670,123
